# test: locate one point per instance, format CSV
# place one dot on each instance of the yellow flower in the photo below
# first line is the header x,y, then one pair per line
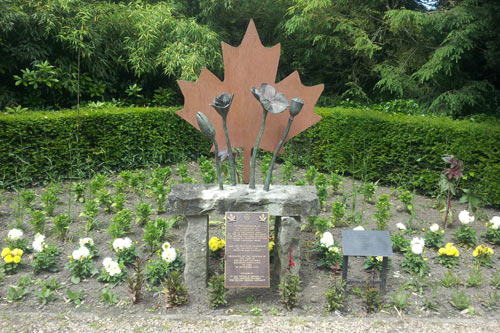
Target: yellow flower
x,y
17,259
8,259
222,243
17,252
5,252
213,243
271,245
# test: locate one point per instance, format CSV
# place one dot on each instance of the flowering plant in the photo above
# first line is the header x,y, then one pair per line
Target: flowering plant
x,y
482,255
81,265
290,285
112,273
125,250
448,255
465,235
169,260
217,246
329,252
434,238
45,258
15,240
414,262
399,242
89,244
373,264
492,235
12,259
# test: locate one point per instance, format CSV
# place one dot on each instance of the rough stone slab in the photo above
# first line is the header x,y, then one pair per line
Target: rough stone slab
x,y
280,200
196,244
287,237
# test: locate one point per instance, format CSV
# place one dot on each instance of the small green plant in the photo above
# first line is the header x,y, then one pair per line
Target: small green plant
x,y
338,213
46,260
450,280
61,226
24,281
368,191
98,183
406,198
482,256
448,255
38,220
492,234
321,187
135,283
51,284
460,300
112,273
491,303
415,264
208,174
287,172
329,253
125,251
335,182
382,214
120,187
79,191
321,224
429,303
142,213
475,278
399,243
290,285
158,270
80,265
108,297
119,202
120,224
45,295
417,284
372,297
400,299
155,232
75,297
175,291
311,175
217,291
495,280
15,294
335,295
160,192
105,200
49,200
373,264
27,198
90,212
466,236
434,237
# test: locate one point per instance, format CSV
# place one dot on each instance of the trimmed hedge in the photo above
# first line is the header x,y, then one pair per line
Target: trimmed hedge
x,y
44,145
400,149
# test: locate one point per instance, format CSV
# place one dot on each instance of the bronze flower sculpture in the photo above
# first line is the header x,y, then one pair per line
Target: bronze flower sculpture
x,y
208,131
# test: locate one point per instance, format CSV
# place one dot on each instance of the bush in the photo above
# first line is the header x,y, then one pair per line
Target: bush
x,y
43,145
400,149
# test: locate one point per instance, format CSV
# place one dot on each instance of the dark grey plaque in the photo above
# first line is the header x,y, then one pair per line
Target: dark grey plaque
x,y
247,250
366,243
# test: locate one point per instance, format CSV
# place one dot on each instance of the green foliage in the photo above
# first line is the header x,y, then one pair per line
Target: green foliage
x,y
415,264
142,212
15,293
49,199
120,224
75,297
495,279
108,139
450,280
217,291
37,221
460,300
466,236
90,212
400,299
47,259
368,190
208,173
382,214
399,149
338,213
475,278
155,232
45,295
158,270
136,282
434,240
175,291
108,297
61,226
335,295
400,243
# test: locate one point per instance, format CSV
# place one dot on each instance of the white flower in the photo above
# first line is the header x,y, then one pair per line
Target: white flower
x,y
334,249
465,218
326,240
359,228
434,227
39,243
169,255
114,270
379,258
107,262
495,222
417,245
86,240
15,234
81,253
165,246
122,243
401,226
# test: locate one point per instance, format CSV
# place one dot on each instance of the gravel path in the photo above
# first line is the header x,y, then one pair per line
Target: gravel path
x,y
90,322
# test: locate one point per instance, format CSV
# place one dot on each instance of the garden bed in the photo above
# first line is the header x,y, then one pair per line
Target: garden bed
x,y
315,281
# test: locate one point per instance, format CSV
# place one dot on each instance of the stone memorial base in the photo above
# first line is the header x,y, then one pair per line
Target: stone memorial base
x,y
198,201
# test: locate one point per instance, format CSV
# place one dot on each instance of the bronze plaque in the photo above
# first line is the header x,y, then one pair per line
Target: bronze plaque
x,y
247,250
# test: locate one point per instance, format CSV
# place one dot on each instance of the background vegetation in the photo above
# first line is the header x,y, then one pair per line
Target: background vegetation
x,y
444,60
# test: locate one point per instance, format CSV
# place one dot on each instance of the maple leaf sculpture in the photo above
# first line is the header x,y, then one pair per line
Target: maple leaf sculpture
x,y
248,65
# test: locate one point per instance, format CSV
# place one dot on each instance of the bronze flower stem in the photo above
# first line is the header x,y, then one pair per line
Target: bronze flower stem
x,y
217,165
271,165
230,153
255,149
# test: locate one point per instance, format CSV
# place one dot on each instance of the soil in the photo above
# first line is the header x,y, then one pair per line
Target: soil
x,y
315,281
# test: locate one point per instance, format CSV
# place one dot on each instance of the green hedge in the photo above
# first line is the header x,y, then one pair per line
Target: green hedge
x,y
43,145
400,149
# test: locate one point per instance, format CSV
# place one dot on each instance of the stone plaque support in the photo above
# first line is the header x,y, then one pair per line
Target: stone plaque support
x,y
196,245
198,201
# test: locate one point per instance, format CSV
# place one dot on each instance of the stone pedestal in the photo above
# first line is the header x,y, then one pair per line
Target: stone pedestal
x,y
198,201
